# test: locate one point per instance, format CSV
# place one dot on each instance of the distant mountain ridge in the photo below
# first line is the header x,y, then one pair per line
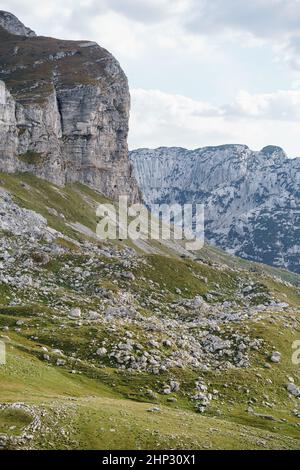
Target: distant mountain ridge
x,y
252,199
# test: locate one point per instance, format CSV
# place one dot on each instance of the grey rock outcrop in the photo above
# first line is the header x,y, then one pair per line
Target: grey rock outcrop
x,y
14,26
64,110
251,198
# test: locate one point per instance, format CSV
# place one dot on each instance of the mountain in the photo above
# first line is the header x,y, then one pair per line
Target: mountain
x,y
64,108
124,343
118,345
251,199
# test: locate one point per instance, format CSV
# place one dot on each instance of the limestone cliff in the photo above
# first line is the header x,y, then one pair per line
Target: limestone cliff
x,y
251,198
64,109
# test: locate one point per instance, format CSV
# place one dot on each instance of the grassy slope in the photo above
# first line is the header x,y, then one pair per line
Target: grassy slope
x,y
94,416
106,408
37,68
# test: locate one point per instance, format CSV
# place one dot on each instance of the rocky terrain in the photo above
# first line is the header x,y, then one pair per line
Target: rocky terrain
x,y
251,199
115,345
133,344
64,108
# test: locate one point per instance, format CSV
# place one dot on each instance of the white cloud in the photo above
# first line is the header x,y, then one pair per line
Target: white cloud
x,y
202,48
276,22
116,34
147,11
131,26
161,119
262,18
128,28
281,105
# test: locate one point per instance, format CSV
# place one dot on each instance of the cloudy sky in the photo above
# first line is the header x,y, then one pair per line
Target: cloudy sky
x,y
201,72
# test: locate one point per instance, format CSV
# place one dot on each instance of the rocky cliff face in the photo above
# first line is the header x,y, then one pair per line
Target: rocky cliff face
x,y
64,109
13,25
252,199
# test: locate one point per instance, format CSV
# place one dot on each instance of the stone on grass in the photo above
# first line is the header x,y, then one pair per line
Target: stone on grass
x,y
75,312
275,357
293,389
101,352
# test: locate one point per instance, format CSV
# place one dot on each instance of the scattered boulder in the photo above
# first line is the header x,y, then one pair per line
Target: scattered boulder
x,y
128,275
60,362
293,389
174,385
101,352
75,313
155,409
275,357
